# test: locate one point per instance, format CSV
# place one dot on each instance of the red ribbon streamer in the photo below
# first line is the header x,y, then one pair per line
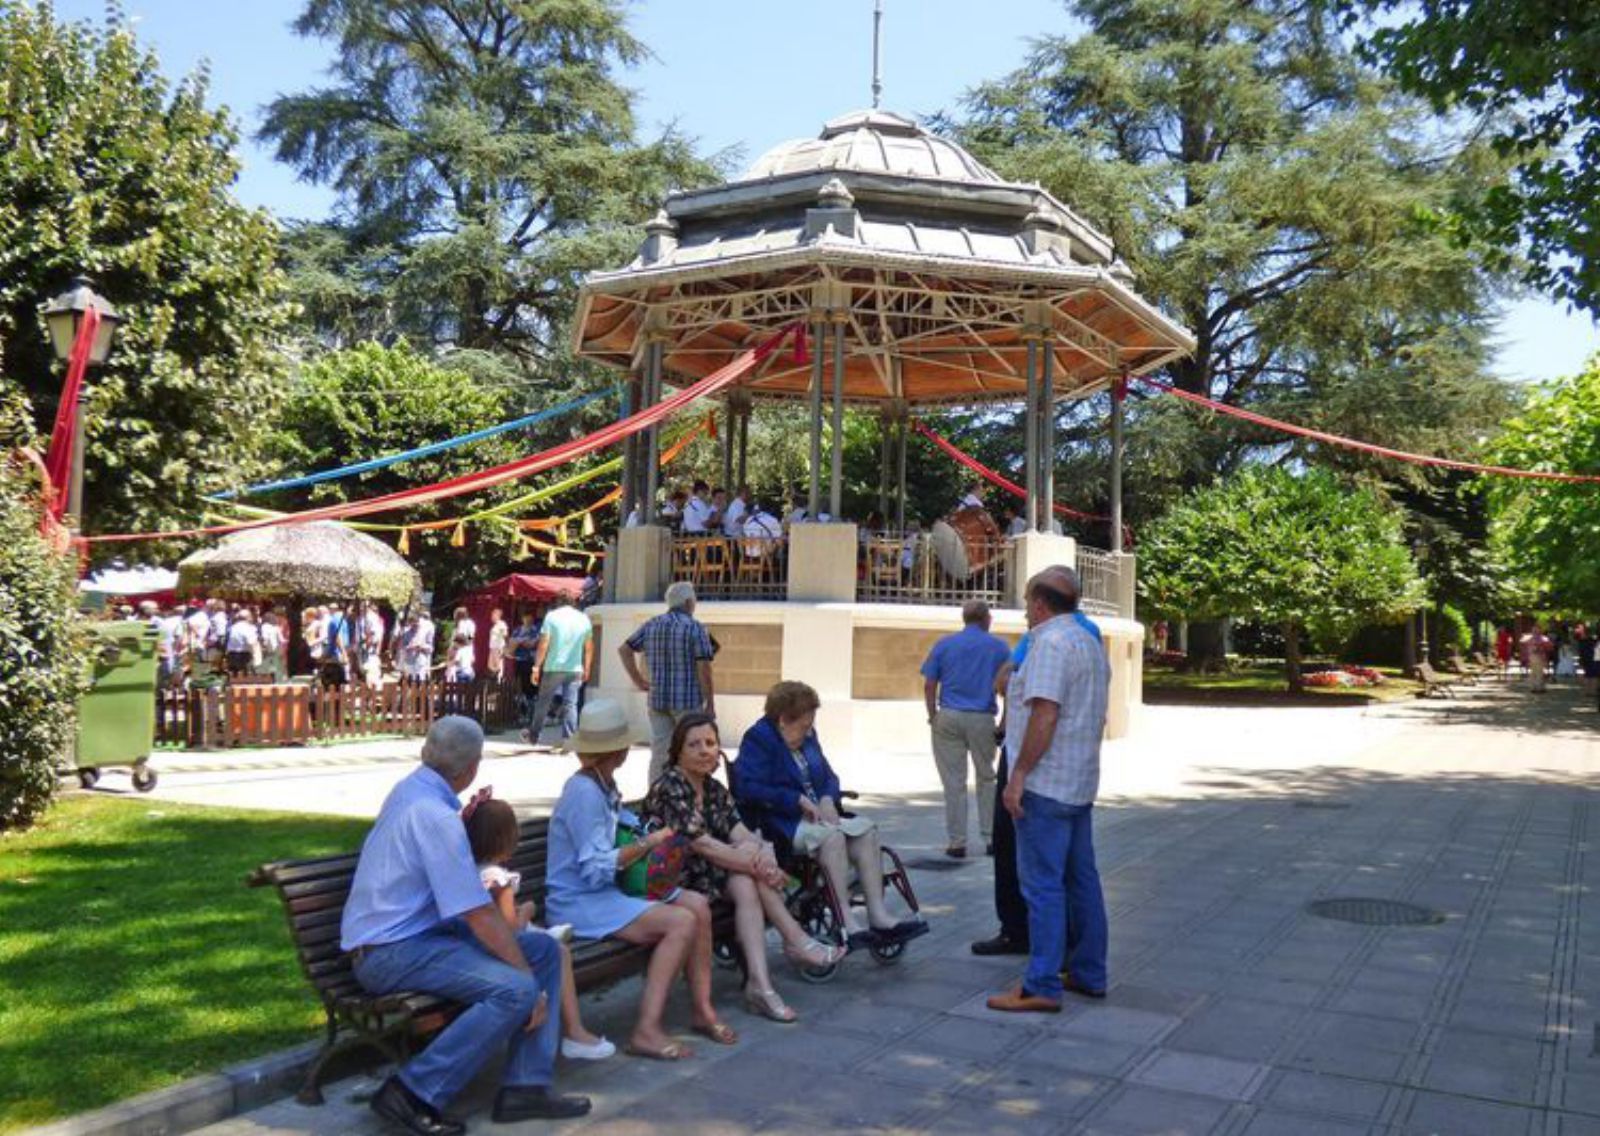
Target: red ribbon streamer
x,y
991,476
58,458
610,435
1364,447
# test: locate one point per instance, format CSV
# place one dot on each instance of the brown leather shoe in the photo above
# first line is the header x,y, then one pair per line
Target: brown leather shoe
x,y
1019,1001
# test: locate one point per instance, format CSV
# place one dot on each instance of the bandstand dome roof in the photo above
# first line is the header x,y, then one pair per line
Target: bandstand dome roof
x,y
875,141
938,269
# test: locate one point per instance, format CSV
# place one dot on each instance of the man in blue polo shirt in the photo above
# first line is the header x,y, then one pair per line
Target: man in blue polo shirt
x,y
958,687
419,918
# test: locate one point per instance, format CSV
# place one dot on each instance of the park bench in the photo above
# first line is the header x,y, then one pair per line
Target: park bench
x,y
1433,682
313,893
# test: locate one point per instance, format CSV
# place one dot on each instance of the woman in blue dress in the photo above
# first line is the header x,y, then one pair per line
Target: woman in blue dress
x,y
581,886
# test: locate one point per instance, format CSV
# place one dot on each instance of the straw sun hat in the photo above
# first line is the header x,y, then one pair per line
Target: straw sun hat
x,y
602,728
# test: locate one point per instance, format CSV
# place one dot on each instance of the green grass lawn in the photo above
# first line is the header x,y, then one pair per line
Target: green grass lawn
x,y
1262,681
132,955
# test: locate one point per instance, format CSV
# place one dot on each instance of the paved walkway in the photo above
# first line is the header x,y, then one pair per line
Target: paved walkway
x,y
1232,1009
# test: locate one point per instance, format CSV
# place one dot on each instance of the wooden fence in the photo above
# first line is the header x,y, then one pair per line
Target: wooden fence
x,y
257,714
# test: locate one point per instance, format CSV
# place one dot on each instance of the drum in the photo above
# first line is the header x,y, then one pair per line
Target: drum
x,y
967,543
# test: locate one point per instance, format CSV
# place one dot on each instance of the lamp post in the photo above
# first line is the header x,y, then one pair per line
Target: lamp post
x,y
1419,549
66,317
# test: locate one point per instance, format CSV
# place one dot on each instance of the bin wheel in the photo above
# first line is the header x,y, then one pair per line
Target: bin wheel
x,y
88,777
144,779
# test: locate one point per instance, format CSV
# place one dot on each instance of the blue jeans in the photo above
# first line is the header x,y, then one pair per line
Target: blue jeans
x,y
449,961
1066,908
568,684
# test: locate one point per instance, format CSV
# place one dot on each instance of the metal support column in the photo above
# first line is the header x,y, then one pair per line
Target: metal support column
x,y
654,353
630,450
1047,435
1031,430
729,424
885,447
902,437
836,449
744,443
1119,395
819,351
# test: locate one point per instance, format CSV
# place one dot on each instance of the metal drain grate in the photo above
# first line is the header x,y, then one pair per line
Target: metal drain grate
x,y
1375,912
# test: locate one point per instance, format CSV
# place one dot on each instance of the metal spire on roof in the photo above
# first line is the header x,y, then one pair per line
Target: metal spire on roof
x,y
877,25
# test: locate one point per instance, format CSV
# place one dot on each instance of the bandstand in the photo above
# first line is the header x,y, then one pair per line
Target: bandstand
x,y
924,280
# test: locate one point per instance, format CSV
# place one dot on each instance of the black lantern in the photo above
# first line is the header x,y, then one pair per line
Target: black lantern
x,y
63,315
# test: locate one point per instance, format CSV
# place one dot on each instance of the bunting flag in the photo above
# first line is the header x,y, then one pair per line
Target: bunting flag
x,y
724,376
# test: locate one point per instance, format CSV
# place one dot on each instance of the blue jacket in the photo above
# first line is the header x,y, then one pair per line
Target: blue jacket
x,y
766,781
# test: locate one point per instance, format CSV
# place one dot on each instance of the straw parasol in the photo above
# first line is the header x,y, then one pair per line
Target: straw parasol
x,y
317,560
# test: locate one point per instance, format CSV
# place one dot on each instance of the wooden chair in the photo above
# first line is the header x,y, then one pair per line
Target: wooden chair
x,y
684,559
758,562
883,562
711,562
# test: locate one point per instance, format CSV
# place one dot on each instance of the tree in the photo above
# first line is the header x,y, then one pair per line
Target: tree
x,y
106,170
1530,69
485,158
1306,552
369,401
1550,531
1273,195
43,665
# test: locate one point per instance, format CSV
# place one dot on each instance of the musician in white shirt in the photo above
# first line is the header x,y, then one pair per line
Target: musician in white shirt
x,y
697,513
733,516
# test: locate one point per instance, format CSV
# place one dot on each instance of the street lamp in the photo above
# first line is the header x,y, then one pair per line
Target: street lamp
x,y
1419,549
64,316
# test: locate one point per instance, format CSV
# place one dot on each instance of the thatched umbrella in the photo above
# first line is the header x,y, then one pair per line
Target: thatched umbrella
x,y
320,560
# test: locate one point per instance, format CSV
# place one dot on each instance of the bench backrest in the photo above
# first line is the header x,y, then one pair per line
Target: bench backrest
x,y
314,893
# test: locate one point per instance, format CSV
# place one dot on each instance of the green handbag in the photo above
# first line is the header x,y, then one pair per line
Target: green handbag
x,y
633,879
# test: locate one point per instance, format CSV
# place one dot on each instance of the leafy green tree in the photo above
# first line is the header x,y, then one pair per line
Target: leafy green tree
x,y
370,401
485,157
1273,195
1306,552
1550,531
107,170
1530,70
42,658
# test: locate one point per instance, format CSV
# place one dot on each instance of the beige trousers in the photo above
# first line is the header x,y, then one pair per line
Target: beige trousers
x,y
958,734
662,723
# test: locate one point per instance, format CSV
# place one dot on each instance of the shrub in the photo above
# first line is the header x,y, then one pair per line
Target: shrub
x,y
1453,630
43,667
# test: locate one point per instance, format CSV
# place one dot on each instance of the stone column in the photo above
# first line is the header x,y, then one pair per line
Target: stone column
x,y
1032,553
822,563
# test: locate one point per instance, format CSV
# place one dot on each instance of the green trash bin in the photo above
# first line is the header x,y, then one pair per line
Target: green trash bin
x,y
117,716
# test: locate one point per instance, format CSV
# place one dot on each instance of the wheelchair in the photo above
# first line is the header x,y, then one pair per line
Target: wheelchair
x,y
820,910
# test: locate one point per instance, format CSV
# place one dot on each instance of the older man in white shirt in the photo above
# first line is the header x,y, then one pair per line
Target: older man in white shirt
x,y
1056,716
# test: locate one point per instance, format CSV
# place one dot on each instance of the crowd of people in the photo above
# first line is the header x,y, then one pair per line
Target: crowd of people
x,y
1552,652
433,907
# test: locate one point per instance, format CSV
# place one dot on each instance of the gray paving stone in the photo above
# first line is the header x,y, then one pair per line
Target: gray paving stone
x,y
1147,1111
1112,1023
1439,1114
1198,1073
1384,1004
1319,1093
1579,1091
1241,1028
1371,1049
1035,1084
965,1118
1284,1124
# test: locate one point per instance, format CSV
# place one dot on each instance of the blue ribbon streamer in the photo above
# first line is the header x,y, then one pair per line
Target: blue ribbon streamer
x,y
422,451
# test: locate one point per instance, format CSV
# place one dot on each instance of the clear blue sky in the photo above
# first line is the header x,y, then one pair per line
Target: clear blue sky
x,y
742,74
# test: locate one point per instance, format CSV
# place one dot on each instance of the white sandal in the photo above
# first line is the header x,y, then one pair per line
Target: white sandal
x,y
814,953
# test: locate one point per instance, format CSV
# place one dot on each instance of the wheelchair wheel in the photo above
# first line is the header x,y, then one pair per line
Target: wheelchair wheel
x,y
888,954
725,953
819,922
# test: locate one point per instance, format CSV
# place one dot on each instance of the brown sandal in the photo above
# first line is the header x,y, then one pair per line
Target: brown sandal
x,y
671,1051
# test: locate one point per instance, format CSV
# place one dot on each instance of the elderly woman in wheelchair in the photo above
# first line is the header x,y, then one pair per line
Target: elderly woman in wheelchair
x,y
787,791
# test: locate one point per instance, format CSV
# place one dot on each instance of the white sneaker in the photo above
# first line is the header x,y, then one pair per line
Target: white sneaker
x,y
561,932
578,1051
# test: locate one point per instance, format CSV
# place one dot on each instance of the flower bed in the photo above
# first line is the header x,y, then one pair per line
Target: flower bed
x,y
1344,676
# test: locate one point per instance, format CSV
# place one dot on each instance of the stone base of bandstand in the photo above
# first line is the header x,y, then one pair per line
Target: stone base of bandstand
x,y
863,659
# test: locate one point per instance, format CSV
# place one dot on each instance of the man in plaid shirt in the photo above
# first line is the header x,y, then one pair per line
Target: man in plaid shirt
x,y
678,650
1056,716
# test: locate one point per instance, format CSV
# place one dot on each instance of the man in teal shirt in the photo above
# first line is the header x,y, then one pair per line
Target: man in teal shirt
x,y
562,666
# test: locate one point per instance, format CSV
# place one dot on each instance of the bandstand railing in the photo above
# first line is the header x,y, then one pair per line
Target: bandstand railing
x,y
732,568
1100,576
915,568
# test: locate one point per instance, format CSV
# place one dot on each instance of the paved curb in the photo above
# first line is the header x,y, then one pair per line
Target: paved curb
x,y
194,1103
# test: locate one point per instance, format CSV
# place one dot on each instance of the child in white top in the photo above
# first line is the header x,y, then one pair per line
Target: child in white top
x,y
492,832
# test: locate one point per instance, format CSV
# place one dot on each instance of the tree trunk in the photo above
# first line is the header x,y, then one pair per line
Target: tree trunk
x,y
1408,652
1207,645
1291,656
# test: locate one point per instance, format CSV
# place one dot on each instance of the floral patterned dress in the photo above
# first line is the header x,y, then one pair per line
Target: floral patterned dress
x,y
672,803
